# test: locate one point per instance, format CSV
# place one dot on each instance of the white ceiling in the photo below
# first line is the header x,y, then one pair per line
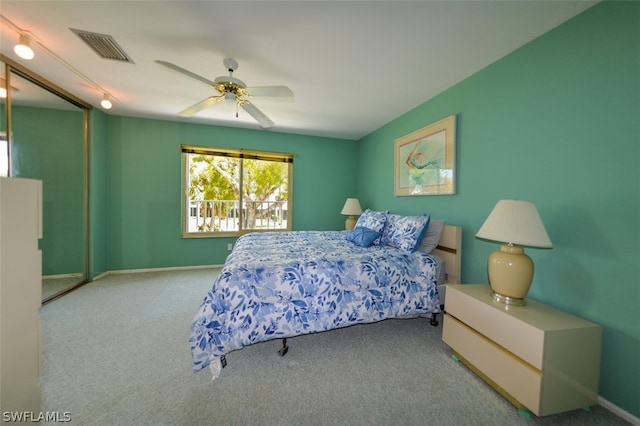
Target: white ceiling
x,y
352,65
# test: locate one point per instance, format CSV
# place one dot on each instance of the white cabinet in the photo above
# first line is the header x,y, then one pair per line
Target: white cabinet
x,y
536,356
20,294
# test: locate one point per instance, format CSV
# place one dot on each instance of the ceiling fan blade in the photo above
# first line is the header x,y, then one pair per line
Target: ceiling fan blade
x,y
270,91
186,72
193,109
259,116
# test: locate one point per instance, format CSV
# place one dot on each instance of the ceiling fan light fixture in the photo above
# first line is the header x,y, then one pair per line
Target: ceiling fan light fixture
x,y
232,89
23,49
106,103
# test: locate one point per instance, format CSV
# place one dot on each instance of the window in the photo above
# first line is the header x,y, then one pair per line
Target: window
x,y
4,155
232,192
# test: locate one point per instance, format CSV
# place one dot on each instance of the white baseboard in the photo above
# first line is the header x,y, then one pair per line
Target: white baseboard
x,y
619,411
55,277
140,271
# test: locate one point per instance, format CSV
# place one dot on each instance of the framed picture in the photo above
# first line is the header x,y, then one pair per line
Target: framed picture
x,y
425,160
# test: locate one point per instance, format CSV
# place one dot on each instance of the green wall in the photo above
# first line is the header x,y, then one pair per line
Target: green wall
x,y
557,123
47,144
143,197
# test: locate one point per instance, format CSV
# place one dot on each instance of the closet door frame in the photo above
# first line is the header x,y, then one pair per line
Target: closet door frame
x,y
14,68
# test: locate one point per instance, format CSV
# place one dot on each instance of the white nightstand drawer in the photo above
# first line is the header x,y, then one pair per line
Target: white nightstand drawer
x,y
518,379
539,357
487,318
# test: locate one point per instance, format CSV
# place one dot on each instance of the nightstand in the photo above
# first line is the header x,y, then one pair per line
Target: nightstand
x,y
537,357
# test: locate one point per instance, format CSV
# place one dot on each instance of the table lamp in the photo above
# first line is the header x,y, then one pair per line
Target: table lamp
x,y
352,209
515,223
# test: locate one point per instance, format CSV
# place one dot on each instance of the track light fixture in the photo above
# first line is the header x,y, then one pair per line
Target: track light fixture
x,y
106,101
23,49
4,87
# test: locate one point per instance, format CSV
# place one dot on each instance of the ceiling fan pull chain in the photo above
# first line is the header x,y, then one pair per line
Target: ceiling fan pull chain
x,y
236,110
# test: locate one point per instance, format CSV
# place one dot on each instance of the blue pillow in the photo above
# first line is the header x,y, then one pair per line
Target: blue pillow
x,y
404,232
373,220
362,236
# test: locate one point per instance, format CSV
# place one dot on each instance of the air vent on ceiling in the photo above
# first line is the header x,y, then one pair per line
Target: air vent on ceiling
x,y
104,45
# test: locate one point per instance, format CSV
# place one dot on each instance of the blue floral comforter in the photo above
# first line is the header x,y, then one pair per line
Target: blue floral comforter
x,y
278,285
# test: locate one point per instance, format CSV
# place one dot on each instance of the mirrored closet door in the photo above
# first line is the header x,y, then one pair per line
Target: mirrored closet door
x,y
47,140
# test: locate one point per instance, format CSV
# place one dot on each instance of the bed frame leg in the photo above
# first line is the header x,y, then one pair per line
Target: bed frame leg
x,y
284,349
434,320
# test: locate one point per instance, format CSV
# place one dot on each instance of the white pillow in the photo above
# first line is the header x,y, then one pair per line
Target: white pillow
x,y
404,232
432,236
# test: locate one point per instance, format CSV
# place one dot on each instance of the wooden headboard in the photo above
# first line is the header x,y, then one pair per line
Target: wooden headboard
x,y
450,248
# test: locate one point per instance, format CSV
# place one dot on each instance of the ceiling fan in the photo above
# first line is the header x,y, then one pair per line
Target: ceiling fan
x,y
230,88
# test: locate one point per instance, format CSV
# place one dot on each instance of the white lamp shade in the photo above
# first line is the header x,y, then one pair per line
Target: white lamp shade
x,y
515,222
351,207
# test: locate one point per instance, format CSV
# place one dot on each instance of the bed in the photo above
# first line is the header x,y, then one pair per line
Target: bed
x,y
277,285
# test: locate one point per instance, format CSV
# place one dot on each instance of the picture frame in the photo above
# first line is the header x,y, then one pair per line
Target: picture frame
x,y
425,160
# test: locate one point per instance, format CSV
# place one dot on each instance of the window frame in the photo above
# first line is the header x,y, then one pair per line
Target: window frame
x,y
233,153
